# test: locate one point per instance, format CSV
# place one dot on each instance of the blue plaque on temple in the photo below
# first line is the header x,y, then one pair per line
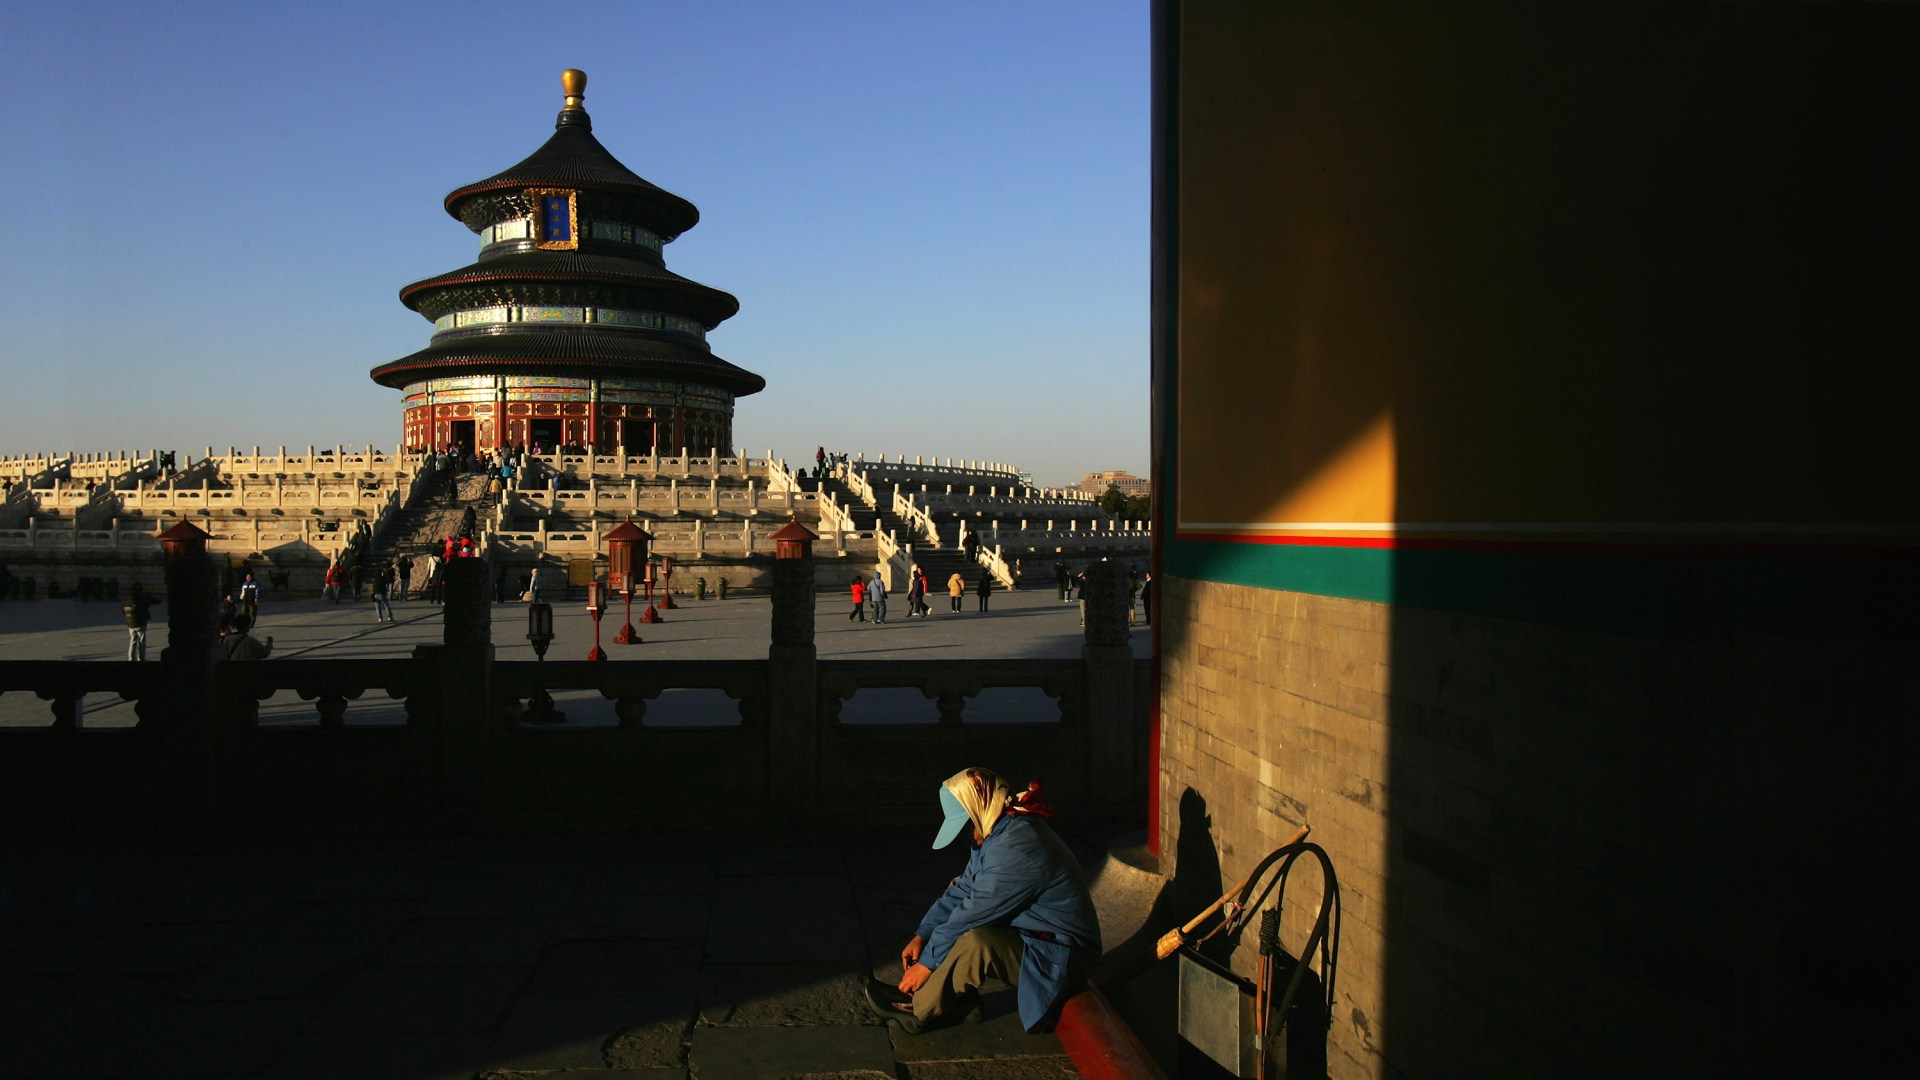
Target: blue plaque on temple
x,y
558,211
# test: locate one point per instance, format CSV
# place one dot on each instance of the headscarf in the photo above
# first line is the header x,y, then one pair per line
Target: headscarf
x,y
983,797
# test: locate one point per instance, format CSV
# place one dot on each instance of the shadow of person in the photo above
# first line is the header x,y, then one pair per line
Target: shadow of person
x,y
1195,884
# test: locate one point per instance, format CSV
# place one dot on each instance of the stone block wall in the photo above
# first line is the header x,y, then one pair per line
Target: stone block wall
x,y
1560,851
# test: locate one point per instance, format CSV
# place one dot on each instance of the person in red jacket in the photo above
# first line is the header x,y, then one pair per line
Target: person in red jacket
x,y
336,579
859,601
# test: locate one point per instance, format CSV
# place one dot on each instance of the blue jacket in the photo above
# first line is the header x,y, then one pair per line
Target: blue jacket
x,y
1022,876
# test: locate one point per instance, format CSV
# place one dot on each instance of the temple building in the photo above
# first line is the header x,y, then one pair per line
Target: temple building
x,y
569,330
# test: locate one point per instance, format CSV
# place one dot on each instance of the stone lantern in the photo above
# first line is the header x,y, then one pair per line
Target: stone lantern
x,y
626,559
193,591
185,540
794,541
793,585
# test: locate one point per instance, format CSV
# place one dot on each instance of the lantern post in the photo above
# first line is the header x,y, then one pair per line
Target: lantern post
x,y
651,615
626,556
596,607
540,708
666,583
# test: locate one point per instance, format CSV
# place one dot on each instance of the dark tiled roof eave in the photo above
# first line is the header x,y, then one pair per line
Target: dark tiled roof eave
x,y
587,353
566,266
573,158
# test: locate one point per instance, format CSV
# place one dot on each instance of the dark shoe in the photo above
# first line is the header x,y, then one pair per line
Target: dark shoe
x,y
887,1003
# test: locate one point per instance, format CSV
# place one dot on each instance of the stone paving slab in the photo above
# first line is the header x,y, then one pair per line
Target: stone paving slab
x,y
764,1053
504,943
572,1032
782,995
408,1056
503,957
1034,1068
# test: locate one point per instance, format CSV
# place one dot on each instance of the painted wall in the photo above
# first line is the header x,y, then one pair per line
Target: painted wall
x,y
1531,389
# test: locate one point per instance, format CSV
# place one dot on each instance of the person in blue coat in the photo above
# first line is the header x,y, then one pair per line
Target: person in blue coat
x,y
1020,913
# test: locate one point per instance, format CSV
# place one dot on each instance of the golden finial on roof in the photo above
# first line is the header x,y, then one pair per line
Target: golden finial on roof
x,y
574,82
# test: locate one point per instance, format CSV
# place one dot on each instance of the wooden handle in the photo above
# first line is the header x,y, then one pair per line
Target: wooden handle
x,y
1173,939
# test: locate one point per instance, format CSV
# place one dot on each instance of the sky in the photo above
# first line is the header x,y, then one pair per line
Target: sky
x,y
935,216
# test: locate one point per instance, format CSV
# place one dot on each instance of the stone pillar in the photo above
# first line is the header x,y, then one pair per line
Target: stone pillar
x,y
462,716
1109,694
193,601
793,736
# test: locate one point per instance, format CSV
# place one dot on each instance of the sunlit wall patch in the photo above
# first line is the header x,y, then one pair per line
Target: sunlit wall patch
x,y
556,219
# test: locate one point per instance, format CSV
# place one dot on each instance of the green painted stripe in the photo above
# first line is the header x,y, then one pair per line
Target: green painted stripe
x,y
1352,573
1791,595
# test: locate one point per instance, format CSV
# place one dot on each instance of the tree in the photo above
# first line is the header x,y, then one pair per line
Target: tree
x,y
1113,501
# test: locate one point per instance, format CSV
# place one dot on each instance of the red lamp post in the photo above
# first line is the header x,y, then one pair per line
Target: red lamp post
x,y
596,607
793,541
651,615
185,540
666,583
622,543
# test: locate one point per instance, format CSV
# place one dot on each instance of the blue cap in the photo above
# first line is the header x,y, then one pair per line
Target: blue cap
x,y
956,818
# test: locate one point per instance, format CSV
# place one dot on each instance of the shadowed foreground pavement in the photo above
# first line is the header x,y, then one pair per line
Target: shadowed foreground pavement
x,y
722,956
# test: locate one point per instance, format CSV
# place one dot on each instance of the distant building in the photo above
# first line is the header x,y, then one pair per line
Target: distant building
x,y
569,329
1097,483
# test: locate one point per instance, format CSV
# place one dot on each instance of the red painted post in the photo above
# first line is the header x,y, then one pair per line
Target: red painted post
x,y
1101,1044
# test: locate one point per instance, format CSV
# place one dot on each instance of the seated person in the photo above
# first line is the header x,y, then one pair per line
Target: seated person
x,y
1020,913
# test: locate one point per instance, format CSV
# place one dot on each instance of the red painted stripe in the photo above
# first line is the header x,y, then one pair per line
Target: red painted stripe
x,y
1101,1044
1664,549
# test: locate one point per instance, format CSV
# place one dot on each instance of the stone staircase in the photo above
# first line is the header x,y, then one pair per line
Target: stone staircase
x,y
419,528
940,562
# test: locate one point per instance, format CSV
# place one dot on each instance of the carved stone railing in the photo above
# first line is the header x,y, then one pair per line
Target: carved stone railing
x,y
468,753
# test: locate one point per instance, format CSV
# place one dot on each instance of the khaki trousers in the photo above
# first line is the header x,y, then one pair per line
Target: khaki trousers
x,y
990,952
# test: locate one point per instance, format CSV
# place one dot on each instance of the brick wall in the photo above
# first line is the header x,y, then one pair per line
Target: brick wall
x,y
1560,851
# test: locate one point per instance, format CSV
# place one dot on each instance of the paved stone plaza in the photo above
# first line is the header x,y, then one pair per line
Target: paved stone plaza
x,y
716,957
1023,623
704,956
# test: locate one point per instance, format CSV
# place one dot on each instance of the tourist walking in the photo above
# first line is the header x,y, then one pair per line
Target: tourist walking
x,y
859,601
382,582
239,645
956,588
533,585
227,614
1080,582
1146,597
250,598
335,581
436,578
984,587
138,610
406,575
1061,579
877,592
916,593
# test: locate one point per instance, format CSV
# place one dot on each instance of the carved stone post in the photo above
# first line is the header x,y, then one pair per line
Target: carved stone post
x,y
793,737
193,599
1109,696
462,714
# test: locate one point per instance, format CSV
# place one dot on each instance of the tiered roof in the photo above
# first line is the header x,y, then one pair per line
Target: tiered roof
x,y
623,273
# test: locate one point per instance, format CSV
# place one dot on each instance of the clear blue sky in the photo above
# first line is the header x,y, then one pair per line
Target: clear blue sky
x,y
935,215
